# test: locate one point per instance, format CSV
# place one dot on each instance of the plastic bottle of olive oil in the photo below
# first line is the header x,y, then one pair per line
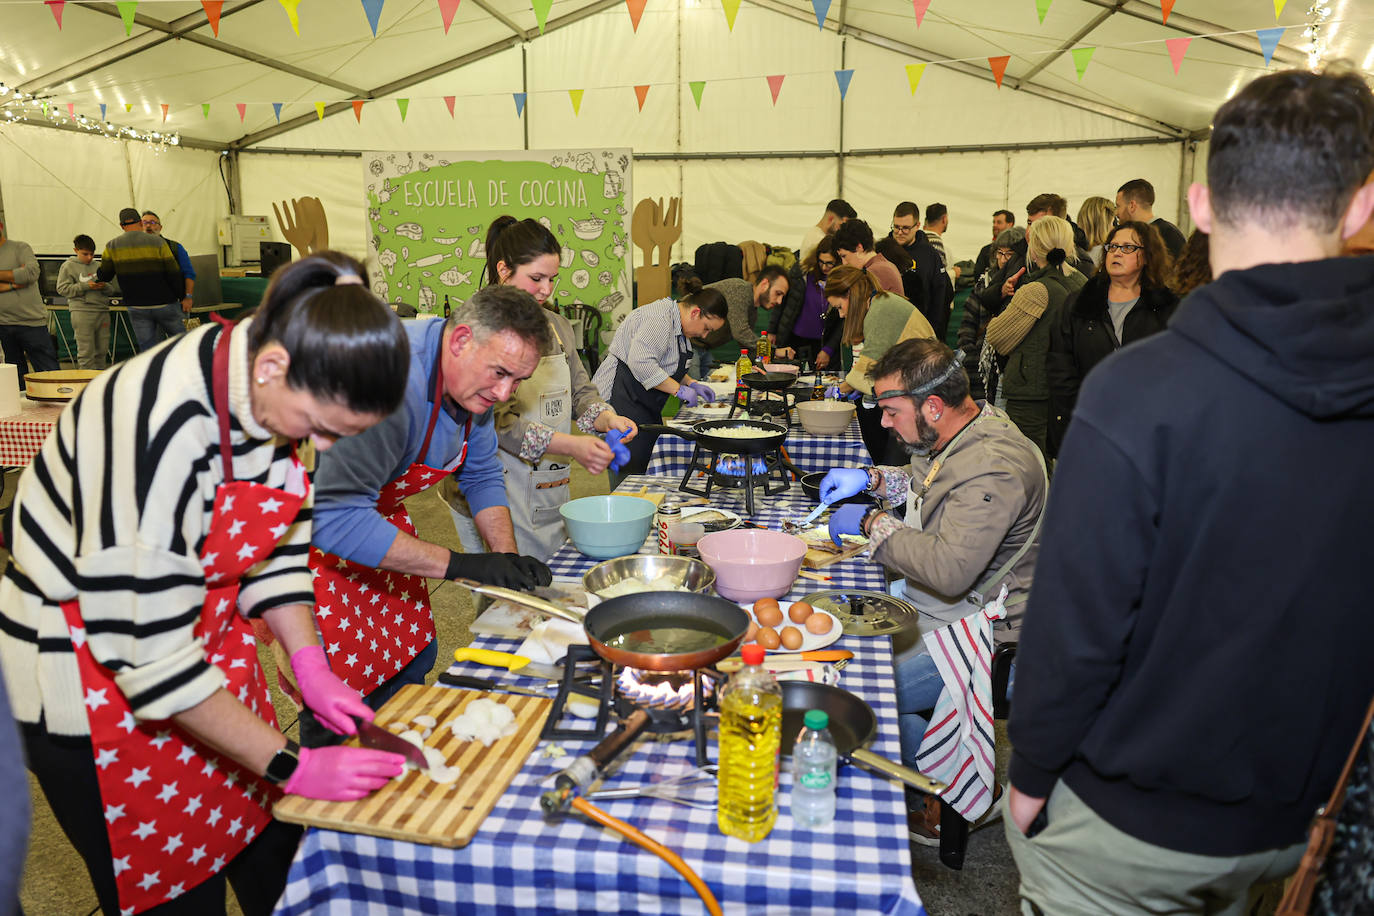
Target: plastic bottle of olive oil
x,y
750,741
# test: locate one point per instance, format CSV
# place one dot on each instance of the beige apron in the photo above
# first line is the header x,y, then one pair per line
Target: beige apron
x,y
536,491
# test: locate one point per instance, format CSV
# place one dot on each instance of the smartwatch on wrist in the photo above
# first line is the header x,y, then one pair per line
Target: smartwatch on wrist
x,y
283,763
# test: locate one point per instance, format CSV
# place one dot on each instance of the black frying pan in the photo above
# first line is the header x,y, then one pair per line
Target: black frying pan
x,y
769,381
704,431
852,726
645,611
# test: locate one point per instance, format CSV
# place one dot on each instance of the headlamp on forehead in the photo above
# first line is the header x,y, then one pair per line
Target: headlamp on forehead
x,y
871,401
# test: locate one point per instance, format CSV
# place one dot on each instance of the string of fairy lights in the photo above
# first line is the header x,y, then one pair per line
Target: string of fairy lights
x,y
17,106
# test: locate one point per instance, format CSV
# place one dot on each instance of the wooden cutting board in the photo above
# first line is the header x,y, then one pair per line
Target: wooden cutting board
x,y
417,808
817,558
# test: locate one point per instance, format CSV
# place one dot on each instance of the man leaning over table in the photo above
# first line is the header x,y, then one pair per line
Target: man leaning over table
x,y
370,566
974,494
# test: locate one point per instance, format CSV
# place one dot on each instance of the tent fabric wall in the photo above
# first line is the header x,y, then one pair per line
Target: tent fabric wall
x,y
185,189
336,180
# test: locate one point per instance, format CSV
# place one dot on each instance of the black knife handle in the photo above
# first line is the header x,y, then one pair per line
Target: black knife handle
x,y
462,680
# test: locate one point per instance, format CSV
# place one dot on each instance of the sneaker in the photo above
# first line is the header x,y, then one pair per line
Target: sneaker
x,y
923,822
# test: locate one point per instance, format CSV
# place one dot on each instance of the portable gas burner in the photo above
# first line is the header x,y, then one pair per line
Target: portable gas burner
x,y
765,405
766,471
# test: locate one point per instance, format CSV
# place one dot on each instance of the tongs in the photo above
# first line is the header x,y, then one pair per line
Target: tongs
x,y
523,599
793,527
696,789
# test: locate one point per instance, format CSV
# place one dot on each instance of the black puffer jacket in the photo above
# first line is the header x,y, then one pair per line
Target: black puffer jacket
x,y
1083,337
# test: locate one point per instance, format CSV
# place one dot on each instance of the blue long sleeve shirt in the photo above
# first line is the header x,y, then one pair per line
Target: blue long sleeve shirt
x,y
353,471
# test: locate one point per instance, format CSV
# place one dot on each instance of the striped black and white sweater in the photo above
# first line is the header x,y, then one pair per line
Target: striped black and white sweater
x,y
114,509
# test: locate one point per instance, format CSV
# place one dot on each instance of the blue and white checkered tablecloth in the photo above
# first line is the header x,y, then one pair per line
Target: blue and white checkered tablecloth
x,y
520,863
810,453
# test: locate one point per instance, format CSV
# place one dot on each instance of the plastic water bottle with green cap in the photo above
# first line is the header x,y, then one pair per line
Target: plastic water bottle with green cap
x,y
813,772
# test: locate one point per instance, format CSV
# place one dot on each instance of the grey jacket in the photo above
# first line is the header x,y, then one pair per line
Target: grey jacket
x,y
21,306
739,297
77,292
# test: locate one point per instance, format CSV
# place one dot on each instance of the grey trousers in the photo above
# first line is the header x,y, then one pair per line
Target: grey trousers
x,y
92,330
1080,865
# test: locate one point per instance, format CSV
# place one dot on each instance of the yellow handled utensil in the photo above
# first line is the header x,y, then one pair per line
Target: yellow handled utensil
x,y
491,657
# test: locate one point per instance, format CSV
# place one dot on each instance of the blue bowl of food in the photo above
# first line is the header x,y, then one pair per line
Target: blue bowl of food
x,y
605,527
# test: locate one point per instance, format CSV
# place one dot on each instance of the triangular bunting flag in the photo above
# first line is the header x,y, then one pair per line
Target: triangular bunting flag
x,y
128,107
126,12
1269,40
541,12
775,86
403,105
1166,7
820,8
293,14
1177,48
56,7
636,8
319,111
45,109
1278,7
373,10
842,78
575,96
641,92
276,110
519,103
698,87
102,111
920,6
205,110
165,106
71,110
731,8
999,67
358,110
243,110
1041,8
914,72
449,100
1081,56
446,10
212,10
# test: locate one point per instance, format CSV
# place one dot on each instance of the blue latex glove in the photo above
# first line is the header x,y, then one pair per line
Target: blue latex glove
x,y
708,394
847,520
834,392
688,395
842,483
621,452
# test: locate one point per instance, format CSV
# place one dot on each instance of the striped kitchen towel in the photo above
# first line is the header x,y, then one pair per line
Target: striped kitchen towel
x,y
957,748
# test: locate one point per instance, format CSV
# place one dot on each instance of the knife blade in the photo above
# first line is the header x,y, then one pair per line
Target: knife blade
x,y
374,736
482,683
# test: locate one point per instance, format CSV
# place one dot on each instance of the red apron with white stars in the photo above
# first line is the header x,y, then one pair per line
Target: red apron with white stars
x,y
175,811
375,621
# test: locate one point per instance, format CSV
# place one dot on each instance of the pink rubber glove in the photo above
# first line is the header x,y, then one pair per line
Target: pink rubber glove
x,y
330,699
342,773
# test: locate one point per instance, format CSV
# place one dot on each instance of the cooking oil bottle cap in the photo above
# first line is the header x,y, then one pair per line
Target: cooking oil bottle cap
x,y
752,654
816,719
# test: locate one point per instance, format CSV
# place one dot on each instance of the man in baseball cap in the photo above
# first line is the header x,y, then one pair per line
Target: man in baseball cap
x,y
149,277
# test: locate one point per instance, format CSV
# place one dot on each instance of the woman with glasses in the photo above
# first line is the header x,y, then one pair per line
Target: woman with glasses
x,y
1020,335
800,328
1125,301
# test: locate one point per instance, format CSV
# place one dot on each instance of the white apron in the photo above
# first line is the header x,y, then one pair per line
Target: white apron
x,y
536,491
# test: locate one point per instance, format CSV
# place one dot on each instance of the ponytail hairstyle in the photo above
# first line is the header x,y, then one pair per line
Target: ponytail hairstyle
x,y
1050,239
857,286
345,345
710,301
514,242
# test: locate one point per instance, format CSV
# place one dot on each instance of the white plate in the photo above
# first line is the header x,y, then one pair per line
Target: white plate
x,y
690,511
809,640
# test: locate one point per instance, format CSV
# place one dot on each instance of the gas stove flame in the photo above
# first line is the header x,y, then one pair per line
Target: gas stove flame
x,y
733,466
658,689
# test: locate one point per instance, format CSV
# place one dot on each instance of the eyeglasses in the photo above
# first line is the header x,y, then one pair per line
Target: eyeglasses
x,y
897,228
830,263
1125,249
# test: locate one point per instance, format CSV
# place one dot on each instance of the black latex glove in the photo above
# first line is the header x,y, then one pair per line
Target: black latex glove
x,y
506,570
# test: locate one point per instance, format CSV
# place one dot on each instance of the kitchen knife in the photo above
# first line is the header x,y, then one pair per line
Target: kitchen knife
x,y
374,736
731,665
481,683
516,664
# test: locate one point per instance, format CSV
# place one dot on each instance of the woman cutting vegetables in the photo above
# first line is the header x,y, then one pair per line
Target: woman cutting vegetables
x,y
535,427
166,509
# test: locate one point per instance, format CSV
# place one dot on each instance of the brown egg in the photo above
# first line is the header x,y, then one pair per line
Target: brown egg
x,y
820,624
750,633
799,611
791,638
768,612
767,637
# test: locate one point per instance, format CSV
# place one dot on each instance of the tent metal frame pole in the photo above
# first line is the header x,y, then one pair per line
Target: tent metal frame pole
x,y
909,150
235,182
1201,28
839,156
182,139
1068,45
525,88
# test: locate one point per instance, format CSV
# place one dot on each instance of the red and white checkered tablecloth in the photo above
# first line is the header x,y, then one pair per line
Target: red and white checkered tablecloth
x,y
22,434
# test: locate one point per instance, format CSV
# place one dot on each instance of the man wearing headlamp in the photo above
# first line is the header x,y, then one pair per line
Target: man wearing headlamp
x,y
973,494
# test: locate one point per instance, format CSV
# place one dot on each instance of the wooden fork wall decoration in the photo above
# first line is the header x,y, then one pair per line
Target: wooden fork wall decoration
x,y
304,224
655,230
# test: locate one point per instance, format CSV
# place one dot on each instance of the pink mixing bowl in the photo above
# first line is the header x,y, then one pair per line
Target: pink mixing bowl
x,y
751,563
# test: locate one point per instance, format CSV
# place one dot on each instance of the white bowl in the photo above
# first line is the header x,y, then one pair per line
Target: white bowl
x,y
825,418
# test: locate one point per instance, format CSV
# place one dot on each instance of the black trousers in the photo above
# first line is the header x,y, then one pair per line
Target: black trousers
x,y
65,769
877,438
28,348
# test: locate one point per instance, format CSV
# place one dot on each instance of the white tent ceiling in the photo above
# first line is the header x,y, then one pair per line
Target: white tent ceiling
x,y
955,138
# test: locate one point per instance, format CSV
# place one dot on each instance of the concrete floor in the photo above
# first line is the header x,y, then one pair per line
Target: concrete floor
x,y
55,882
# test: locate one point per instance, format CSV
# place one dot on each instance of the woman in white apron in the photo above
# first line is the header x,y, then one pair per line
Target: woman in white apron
x,y
166,512
535,427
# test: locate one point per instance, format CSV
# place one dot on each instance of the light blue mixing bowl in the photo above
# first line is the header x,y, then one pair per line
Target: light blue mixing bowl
x,y
605,527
